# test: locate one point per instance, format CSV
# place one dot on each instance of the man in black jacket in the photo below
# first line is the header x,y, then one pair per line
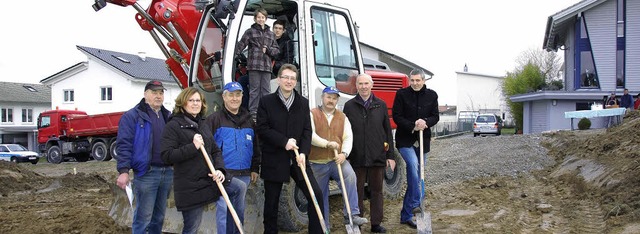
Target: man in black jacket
x,y
415,108
371,152
284,124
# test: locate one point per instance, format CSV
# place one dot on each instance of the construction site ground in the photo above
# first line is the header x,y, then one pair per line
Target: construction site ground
x,y
593,187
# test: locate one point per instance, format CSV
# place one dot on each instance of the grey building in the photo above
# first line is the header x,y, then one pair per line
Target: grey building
x,y
600,40
20,105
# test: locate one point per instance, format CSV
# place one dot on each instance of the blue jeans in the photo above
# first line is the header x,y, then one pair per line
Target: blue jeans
x,y
222,219
324,172
151,192
414,185
236,191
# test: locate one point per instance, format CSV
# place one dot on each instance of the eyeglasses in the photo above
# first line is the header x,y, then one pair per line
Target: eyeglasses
x,y
292,78
195,100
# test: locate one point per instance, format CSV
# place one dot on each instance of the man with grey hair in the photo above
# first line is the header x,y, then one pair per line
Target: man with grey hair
x,y
371,153
415,109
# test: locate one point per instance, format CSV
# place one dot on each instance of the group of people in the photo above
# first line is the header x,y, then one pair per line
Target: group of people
x,y
277,138
625,101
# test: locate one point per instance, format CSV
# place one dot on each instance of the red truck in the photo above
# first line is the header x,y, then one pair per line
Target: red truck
x,y
74,134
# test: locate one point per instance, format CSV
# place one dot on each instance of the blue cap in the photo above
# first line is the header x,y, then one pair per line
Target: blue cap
x,y
232,86
331,90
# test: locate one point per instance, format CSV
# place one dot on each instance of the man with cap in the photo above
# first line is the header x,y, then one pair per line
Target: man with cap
x,y
138,149
233,131
332,131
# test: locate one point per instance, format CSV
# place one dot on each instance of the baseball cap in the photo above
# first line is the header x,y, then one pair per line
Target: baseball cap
x,y
232,86
154,85
331,90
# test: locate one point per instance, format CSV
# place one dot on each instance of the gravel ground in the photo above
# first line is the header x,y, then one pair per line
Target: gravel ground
x,y
466,157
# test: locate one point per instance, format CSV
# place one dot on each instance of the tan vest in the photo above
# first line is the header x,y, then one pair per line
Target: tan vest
x,y
332,132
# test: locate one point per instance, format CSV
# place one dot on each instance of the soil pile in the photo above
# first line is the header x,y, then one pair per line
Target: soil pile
x,y
603,166
68,204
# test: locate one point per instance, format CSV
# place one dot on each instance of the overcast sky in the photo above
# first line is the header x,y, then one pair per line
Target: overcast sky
x,y
40,37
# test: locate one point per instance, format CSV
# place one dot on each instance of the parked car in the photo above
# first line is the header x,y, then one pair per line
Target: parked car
x,y
487,124
17,153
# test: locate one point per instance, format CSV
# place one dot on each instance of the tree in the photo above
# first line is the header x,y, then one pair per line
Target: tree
x,y
549,63
527,79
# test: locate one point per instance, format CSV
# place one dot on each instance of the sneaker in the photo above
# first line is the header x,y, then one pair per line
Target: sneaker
x,y
410,223
357,220
378,229
416,210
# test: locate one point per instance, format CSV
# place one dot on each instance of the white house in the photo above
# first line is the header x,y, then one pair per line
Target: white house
x,y
20,105
480,93
108,81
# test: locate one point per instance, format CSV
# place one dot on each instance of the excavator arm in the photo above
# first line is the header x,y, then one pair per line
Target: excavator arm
x,y
173,25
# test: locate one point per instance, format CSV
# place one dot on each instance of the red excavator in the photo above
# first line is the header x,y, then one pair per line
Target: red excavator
x,y
198,39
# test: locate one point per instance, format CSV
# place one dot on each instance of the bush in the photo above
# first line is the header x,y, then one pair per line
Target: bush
x,y
584,124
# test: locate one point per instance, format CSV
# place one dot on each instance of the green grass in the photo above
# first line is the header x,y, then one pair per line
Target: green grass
x,y
508,131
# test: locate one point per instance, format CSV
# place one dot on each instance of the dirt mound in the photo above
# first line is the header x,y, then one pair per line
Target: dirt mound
x,y
17,179
72,203
603,166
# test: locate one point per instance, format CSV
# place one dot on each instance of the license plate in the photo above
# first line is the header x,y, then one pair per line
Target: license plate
x,y
32,158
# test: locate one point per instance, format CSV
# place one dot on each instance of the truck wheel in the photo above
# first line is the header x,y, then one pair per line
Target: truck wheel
x,y
113,150
99,152
292,212
394,180
54,155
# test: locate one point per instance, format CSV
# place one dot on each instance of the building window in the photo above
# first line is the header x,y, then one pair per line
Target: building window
x,y
27,115
68,95
7,115
620,44
587,77
105,94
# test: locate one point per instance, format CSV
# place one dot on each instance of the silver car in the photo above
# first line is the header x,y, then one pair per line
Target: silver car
x,y
487,124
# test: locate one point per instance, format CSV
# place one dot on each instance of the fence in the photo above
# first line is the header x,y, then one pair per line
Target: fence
x,y
448,128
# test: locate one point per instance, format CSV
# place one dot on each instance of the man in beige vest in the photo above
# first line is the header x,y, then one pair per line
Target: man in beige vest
x,y
332,130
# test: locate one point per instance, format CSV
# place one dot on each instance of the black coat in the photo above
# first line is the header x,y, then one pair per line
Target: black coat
x,y
409,106
192,185
275,125
371,129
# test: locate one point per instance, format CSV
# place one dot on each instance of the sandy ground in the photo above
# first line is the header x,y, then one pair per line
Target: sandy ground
x,y
593,188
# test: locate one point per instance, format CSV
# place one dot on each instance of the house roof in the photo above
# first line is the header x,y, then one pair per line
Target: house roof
x,y
133,65
23,92
563,20
399,59
560,95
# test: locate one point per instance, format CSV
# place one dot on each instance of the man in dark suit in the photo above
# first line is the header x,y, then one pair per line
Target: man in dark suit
x,y
284,124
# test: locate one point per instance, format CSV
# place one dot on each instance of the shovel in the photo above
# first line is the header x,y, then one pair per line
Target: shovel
x,y
223,191
351,229
423,218
312,194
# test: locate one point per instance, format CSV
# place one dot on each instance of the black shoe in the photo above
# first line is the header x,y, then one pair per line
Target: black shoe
x,y
416,210
410,223
378,229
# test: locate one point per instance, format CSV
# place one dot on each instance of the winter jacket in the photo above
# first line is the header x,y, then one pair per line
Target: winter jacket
x,y
134,140
275,125
286,53
235,136
626,101
192,186
371,129
256,38
409,106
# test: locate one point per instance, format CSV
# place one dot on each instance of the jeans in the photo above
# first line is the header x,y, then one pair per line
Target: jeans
x,y
151,192
324,172
236,191
192,219
414,192
222,219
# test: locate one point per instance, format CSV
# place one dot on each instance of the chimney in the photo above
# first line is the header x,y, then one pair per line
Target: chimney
x,y
142,55
465,69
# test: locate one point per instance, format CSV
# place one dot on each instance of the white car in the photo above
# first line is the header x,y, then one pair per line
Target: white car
x,y
17,153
